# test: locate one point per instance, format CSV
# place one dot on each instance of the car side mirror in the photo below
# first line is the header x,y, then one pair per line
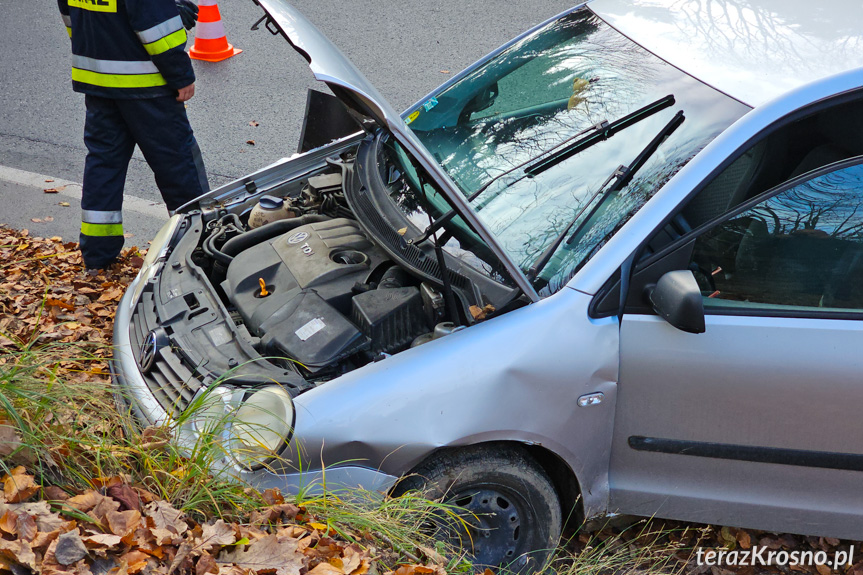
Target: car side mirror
x,y
676,298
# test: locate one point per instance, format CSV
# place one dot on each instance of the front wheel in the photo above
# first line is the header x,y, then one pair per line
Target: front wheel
x,y
511,517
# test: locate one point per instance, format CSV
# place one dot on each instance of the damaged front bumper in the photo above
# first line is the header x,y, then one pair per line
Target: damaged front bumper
x,y
133,394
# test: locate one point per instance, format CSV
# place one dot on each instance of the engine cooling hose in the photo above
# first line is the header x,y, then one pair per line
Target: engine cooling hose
x,y
266,232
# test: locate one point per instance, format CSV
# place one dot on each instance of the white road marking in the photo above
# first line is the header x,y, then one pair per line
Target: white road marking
x,y
73,190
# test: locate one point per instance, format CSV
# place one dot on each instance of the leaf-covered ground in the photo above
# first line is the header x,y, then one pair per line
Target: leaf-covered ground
x,y
118,527
123,529
46,296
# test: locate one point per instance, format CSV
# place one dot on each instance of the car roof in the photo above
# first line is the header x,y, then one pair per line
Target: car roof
x,y
753,50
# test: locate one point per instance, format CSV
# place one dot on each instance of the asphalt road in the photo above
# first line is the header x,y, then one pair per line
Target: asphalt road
x,y
403,48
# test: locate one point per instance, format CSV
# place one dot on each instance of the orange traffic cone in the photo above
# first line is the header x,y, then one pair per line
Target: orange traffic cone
x,y
211,44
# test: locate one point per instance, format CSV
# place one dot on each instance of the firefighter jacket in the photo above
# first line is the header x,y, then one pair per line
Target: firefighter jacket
x,y
127,48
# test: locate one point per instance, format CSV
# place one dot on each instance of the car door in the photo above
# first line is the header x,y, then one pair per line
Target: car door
x,y
756,421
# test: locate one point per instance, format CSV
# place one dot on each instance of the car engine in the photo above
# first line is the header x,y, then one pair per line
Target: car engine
x,y
315,294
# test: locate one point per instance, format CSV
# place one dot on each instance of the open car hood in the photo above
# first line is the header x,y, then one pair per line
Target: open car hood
x,y
330,66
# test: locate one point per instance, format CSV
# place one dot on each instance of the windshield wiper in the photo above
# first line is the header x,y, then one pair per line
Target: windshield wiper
x,y
596,133
621,177
611,129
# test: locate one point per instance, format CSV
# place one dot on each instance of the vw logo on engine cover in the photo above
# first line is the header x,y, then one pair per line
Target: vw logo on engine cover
x,y
298,237
149,348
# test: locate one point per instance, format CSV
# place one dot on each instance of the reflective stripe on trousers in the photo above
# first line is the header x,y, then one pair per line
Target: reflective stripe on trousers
x,y
101,224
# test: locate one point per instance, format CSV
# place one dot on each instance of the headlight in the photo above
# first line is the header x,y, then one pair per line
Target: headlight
x,y
262,425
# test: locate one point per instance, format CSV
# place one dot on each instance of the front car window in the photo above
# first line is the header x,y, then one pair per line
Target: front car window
x,y
487,129
801,248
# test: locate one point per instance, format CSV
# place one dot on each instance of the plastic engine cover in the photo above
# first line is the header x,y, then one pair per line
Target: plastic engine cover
x,y
310,331
310,270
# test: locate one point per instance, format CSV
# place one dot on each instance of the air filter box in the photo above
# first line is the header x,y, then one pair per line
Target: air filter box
x,y
390,318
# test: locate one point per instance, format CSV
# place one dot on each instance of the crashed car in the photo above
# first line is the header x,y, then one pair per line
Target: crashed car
x,y
614,267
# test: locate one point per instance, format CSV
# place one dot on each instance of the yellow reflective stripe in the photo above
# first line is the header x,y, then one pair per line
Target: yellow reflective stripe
x,y
118,80
69,30
94,5
101,230
164,44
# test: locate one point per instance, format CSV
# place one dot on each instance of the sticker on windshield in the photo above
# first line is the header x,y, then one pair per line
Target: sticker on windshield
x,y
412,117
430,104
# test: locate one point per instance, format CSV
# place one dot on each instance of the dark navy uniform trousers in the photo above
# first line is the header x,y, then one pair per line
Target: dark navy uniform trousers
x,y
161,129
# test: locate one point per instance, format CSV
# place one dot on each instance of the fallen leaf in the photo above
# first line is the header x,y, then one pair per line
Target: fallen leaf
x,y
217,534
444,72
25,526
46,520
102,540
9,440
182,555
206,564
70,549
135,561
8,522
123,522
19,551
823,569
164,516
105,506
327,569
85,501
54,493
254,124
48,219
18,486
44,539
128,497
49,180
269,554
36,220
250,142
64,204
59,303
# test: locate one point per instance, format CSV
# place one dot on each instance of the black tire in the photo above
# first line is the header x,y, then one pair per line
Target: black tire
x,y
508,499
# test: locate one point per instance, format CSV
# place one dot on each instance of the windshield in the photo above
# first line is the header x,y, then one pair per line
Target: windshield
x,y
491,129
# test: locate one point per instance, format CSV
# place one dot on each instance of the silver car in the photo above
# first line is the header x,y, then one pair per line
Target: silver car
x,y
615,266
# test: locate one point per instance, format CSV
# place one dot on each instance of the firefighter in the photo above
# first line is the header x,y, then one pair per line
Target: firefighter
x,y
129,61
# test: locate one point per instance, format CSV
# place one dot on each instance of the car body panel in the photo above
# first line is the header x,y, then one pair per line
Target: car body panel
x,y
751,50
746,381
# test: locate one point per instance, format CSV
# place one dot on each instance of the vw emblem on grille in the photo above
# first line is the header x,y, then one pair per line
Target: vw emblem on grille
x,y
298,237
149,348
